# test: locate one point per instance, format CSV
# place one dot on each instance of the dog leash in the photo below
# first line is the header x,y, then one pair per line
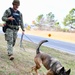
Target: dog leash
x,y
21,45
29,39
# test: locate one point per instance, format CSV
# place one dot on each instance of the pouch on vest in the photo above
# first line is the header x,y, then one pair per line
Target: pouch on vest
x,y
4,28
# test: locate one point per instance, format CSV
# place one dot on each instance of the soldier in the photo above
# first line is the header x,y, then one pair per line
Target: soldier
x,y
13,18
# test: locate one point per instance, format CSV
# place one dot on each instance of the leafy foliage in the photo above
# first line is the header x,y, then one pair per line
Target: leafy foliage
x,y
50,16
70,18
39,18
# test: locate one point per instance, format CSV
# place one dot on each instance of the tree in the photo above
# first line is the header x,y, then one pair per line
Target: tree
x,y
70,18
50,16
50,19
40,18
46,21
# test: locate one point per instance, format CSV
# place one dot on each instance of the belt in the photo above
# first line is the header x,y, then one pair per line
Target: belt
x,y
13,27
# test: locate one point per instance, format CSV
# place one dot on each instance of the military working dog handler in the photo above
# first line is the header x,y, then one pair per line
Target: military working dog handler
x,y
13,19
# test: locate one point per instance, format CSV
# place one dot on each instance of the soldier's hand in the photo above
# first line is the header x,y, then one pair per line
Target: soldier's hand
x,y
23,32
11,18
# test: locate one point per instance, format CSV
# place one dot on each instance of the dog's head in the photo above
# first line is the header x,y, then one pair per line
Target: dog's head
x,y
63,72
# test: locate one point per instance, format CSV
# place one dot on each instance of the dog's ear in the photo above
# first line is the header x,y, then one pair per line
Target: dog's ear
x,y
68,72
62,70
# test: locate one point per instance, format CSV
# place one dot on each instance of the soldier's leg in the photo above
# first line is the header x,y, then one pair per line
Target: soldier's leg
x,y
14,42
9,48
9,39
14,36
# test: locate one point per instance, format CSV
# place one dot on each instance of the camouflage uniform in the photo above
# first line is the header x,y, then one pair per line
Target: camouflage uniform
x,y
11,32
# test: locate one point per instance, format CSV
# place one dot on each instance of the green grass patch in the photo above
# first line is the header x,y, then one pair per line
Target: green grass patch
x,y
24,59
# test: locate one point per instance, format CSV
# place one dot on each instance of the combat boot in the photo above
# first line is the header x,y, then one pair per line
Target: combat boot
x,y
11,57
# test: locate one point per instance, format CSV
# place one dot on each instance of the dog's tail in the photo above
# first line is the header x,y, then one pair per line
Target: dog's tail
x,y
38,47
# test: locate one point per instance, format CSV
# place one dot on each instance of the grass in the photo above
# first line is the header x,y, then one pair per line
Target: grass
x,y
24,58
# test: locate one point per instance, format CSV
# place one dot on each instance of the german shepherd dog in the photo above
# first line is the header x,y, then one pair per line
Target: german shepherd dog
x,y
53,66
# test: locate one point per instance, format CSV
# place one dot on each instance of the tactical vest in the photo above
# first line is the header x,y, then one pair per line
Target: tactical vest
x,y
15,15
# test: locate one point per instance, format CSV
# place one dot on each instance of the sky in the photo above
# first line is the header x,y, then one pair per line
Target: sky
x,y
32,8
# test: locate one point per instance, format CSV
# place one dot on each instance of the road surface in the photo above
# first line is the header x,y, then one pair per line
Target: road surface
x,y
56,44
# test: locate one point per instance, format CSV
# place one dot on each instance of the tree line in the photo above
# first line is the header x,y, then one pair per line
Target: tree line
x,y
48,21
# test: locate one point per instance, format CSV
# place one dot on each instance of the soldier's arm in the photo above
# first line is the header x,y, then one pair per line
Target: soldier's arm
x,y
5,15
22,25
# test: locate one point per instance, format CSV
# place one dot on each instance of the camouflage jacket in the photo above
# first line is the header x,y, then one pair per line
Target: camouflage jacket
x,y
7,13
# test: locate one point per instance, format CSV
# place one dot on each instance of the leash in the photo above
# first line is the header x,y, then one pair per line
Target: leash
x,y
29,38
31,41
21,45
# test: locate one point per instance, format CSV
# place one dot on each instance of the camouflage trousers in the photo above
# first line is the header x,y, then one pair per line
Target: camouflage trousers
x,y
10,37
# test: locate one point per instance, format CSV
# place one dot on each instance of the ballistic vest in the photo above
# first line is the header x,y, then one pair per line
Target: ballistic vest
x,y
15,15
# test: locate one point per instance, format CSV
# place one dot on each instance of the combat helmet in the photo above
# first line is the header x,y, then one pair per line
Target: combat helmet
x,y
16,2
